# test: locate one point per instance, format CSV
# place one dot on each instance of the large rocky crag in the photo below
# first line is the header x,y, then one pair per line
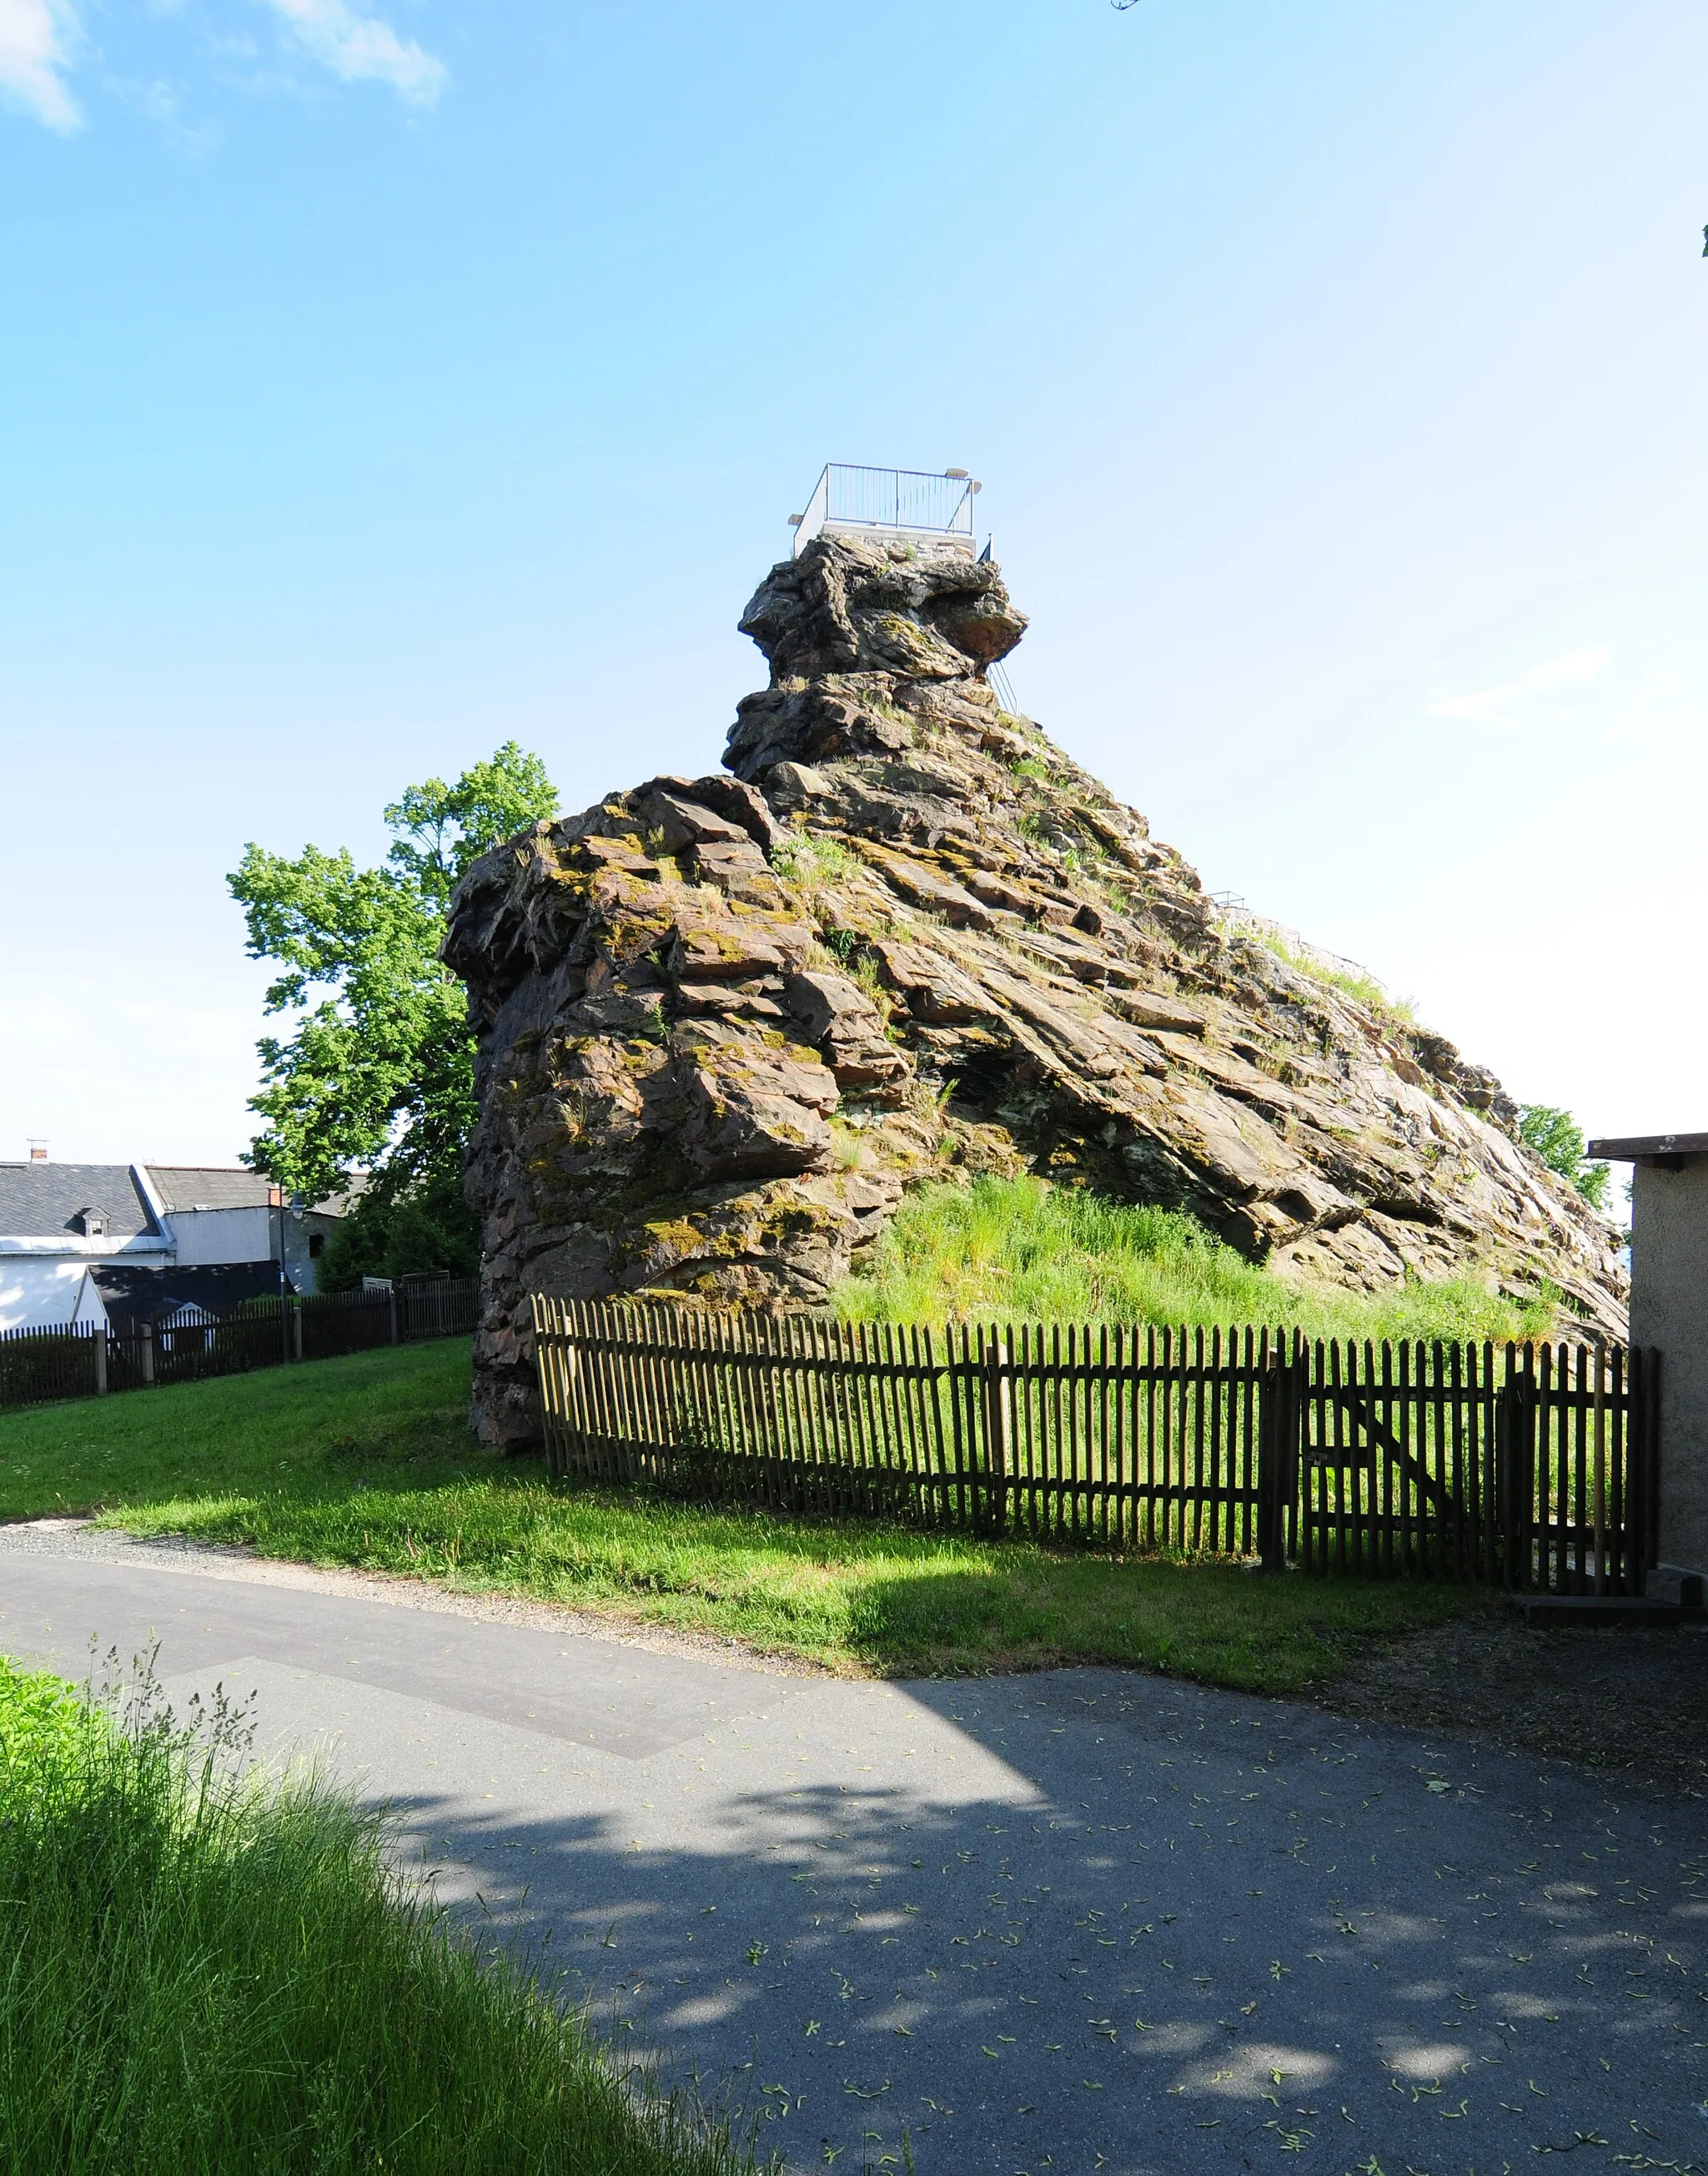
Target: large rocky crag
x,y
723,1022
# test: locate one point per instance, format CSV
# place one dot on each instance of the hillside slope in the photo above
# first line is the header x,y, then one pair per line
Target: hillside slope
x,y
723,1022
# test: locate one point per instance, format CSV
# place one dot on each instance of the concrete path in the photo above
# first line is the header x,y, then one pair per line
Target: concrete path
x,y
1077,1921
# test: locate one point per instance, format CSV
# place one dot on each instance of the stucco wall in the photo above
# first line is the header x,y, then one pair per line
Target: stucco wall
x,y
212,1236
1669,1309
38,1294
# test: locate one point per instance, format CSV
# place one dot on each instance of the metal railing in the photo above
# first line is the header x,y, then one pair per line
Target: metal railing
x,y
905,502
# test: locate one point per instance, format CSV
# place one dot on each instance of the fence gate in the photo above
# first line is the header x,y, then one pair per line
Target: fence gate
x,y
1532,1468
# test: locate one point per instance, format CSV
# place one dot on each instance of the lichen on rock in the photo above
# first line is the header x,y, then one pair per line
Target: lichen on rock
x,y
723,1022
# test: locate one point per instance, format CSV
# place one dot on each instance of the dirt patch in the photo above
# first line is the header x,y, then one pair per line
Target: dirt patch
x,y
1630,1701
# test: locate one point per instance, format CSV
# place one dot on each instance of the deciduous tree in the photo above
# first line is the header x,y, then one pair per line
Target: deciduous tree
x,y
1558,1139
377,1077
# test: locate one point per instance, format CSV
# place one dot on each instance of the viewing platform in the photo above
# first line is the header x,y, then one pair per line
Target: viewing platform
x,y
904,505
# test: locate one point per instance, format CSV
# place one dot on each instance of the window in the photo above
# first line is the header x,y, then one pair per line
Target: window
x,y
317,1245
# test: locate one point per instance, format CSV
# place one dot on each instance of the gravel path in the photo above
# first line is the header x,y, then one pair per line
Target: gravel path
x,y
1080,1920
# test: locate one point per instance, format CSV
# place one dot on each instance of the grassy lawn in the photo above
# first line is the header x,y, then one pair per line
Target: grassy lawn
x,y
367,1461
215,1976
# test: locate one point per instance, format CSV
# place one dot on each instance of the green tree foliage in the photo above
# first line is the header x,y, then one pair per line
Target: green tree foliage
x,y
1558,1139
378,1077
425,1226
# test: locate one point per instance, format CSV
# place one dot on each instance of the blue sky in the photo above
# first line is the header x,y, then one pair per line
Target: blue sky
x,y
374,387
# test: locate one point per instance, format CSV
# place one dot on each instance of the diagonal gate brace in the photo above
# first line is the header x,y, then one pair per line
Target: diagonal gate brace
x,y
1384,1438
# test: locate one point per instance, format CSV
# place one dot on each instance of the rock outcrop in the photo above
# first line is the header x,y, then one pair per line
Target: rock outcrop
x,y
723,1022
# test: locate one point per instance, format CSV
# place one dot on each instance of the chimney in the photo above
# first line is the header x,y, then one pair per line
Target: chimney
x,y
38,1152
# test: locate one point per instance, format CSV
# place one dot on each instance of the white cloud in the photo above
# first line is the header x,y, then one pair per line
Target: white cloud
x,y
1577,665
36,42
357,47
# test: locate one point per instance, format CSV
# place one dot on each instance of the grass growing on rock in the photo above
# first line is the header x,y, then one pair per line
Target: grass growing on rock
x,y
367,1462
1362,988
1020,1250
210,1973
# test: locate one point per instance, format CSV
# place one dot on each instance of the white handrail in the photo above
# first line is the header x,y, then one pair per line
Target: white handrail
x,y
889,502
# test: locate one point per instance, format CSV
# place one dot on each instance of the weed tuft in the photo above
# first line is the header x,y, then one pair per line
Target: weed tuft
x,y
808,860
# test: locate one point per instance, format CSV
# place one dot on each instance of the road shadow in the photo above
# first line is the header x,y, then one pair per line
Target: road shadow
x,y
1227,1930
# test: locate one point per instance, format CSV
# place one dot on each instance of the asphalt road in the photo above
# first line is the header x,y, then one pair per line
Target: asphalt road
x,y
1081,1920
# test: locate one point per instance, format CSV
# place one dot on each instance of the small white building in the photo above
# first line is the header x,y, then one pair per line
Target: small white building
x,y
79,1241
1669,1315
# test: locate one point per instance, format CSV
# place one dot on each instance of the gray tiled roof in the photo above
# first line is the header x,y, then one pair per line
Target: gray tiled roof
x,y
184,1187
44,1201
208,1186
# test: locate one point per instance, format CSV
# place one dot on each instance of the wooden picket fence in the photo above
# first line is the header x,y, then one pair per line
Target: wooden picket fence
x,y
39,1366
1529,1466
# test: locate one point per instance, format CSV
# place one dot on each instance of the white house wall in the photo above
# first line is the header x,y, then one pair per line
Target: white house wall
x,y
207,1238
40,1293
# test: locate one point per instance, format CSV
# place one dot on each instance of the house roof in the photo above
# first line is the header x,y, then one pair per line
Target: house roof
x,y
45,1200
1671,1150
208,1186
134,1292
185,1187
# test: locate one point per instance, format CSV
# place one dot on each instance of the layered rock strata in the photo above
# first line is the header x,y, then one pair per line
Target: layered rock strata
x,y
724,1022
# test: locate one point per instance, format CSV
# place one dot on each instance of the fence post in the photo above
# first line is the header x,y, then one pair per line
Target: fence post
x,y
556,1362
99,1344
148,1352
996,1435
1515,1424
391,1311
1642,1468
1271,1534
1295,1432
296,1329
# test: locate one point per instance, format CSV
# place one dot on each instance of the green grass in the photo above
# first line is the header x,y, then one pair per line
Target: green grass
x,y
367,1462
807,861
219,1976
39,1716
242,1432
1020,1250
1362,989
